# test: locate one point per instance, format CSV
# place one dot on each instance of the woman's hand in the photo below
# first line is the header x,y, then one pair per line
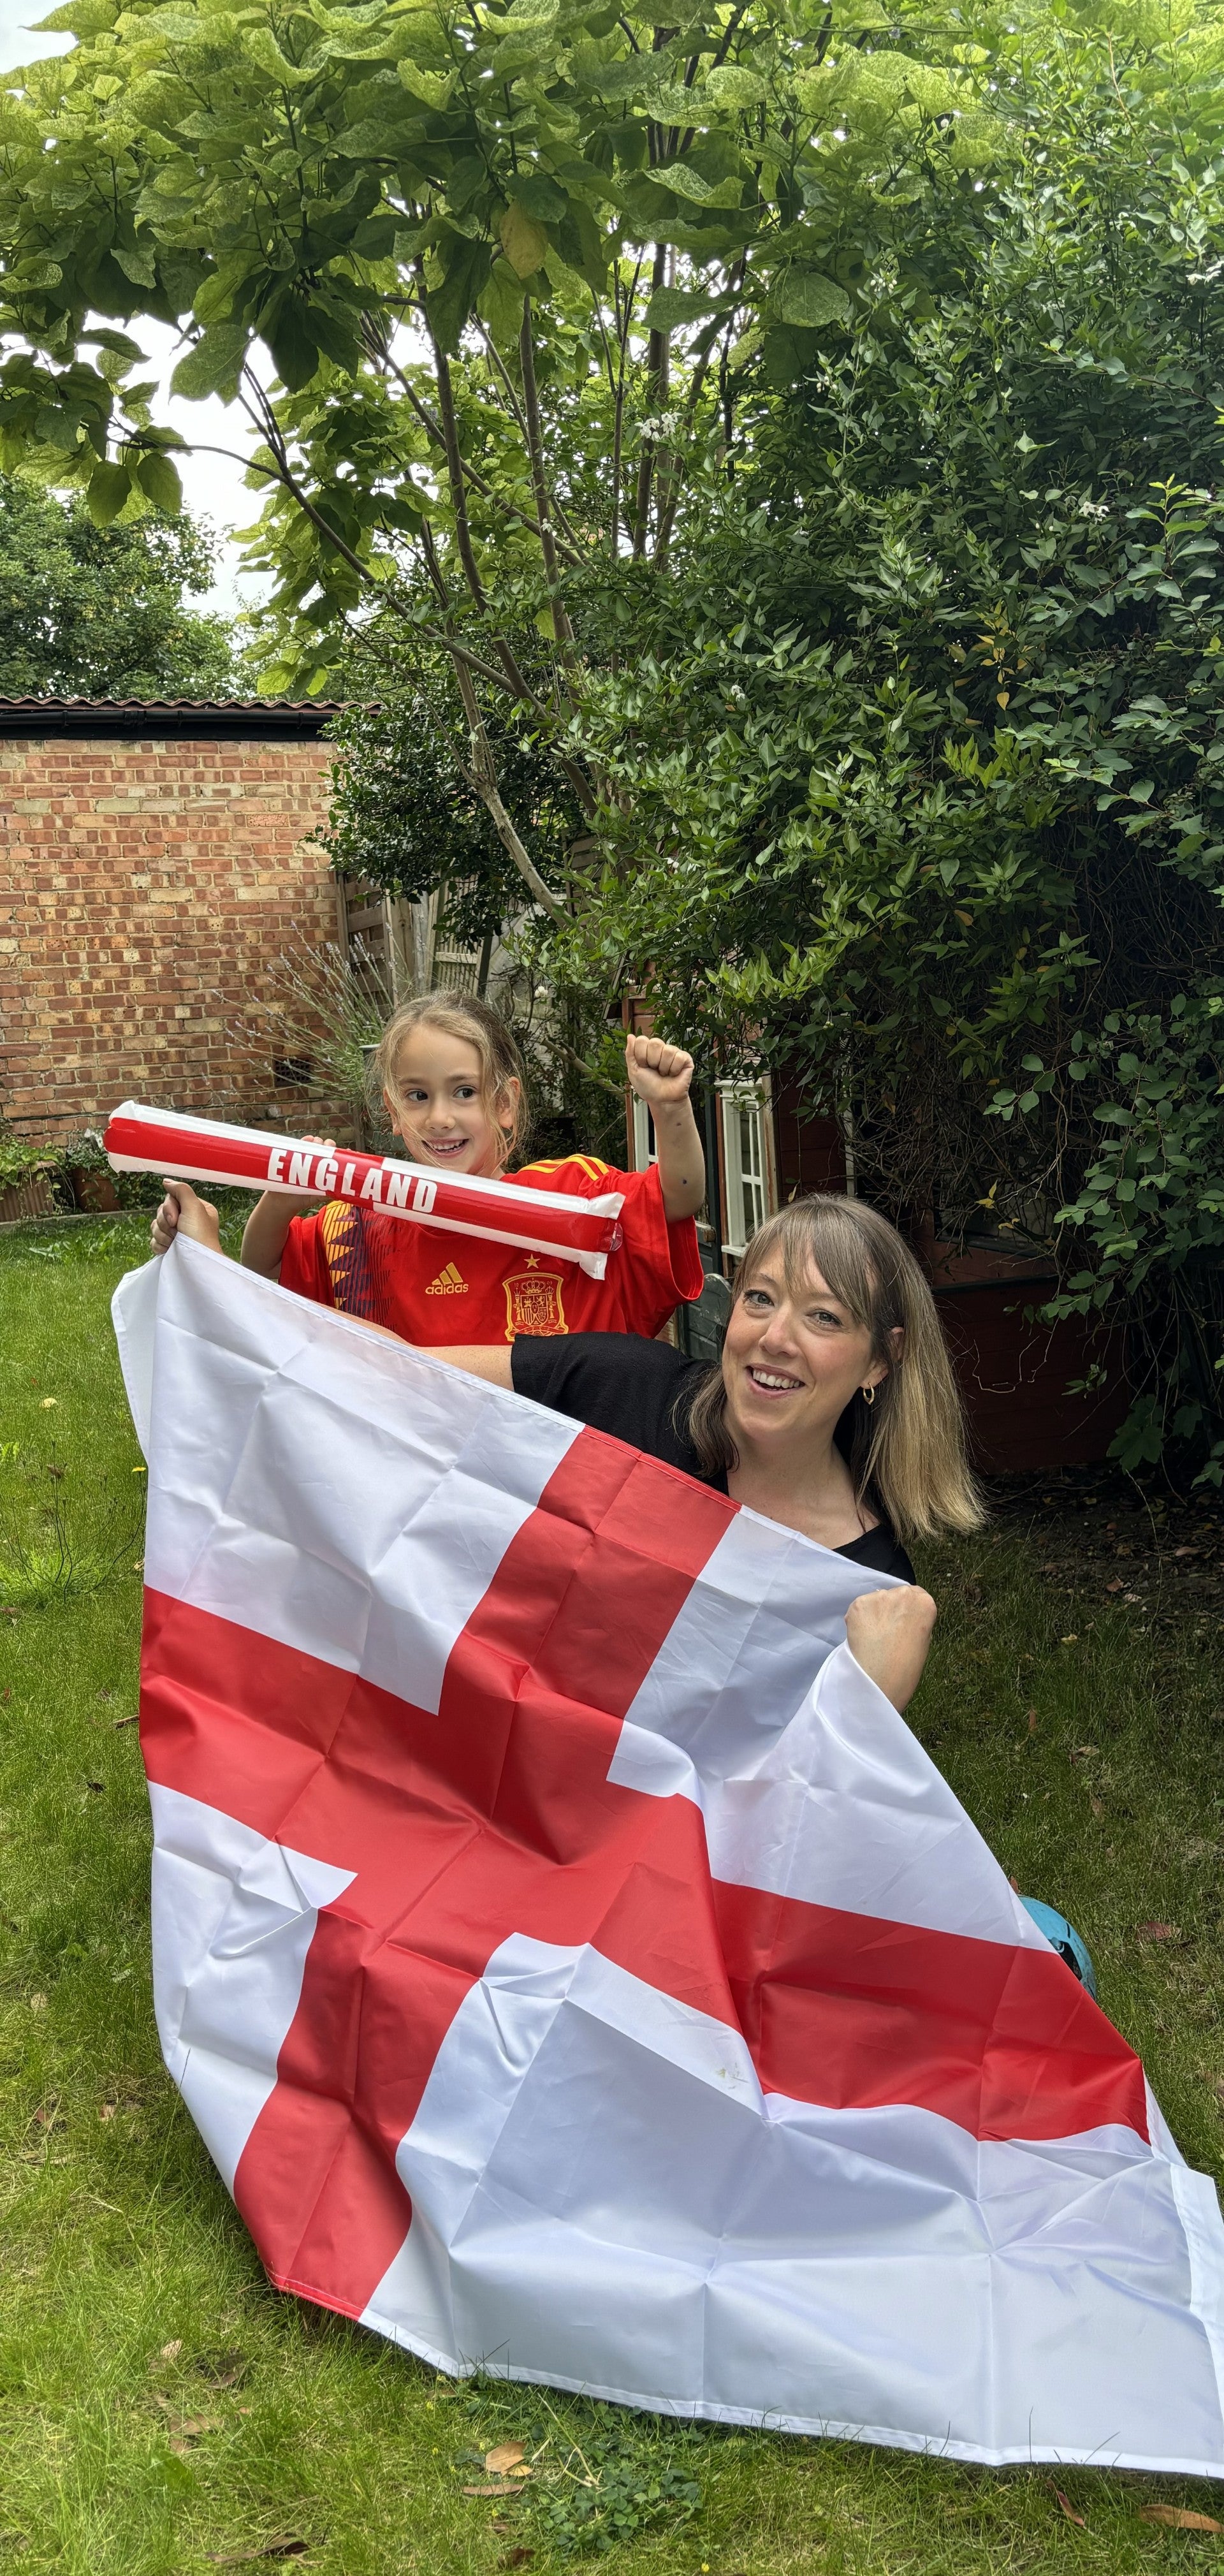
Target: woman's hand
x,y
181,1212
889,1635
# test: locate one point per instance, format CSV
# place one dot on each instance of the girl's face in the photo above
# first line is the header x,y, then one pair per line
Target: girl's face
x,y
436,1104
792,1363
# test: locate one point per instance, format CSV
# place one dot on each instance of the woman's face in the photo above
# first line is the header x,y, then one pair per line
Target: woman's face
x,y
436,1104
791,1363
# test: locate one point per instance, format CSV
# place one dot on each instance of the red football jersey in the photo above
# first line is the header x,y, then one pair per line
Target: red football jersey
x,y
433,1287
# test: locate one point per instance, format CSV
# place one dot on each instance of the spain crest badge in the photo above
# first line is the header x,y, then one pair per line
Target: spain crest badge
x,y
533,1303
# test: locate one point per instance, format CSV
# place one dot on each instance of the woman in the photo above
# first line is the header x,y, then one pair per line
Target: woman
x,y
833,1408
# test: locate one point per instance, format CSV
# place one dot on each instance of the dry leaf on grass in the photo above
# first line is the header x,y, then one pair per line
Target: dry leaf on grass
x,y
38,2003
171,2351
516,2558
1176,2517
1159,1932
495,2487
1069,2510
503,2456
106,2110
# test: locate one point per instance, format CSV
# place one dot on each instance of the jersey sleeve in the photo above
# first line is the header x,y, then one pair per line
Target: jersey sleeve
x,y
304,1265
660,1264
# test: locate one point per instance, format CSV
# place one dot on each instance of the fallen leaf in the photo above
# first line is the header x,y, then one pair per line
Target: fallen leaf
x,y
1047,1569
517,2558
1032,1721
1159,1932
106,2110
1117,1585
5,1697
1072,1640
495,2487
1177,2517
505,2455
198,2424
171,2351
1097,1806
57,1472
1069,2510
138,1568
1188,1551
140,1471
47,1402
38,2003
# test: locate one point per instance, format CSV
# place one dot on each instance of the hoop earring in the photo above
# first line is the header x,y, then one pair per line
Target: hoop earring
x,y
868,1394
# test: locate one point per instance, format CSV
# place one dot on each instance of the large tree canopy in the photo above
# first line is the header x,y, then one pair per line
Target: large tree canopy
x,y
463,238
100,612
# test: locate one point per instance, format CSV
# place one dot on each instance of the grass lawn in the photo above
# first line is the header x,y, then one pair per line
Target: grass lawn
x,y
163,2409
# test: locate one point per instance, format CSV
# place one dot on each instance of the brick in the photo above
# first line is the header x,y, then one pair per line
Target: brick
x,y
145,890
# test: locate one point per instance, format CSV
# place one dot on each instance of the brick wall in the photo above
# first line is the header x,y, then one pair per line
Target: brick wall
x,y
145,888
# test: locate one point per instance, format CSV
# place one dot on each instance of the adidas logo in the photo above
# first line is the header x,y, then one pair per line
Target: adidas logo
x,y
449,1283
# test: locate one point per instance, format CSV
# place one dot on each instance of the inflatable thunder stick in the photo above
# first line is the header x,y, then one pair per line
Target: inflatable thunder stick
x,y
199,1149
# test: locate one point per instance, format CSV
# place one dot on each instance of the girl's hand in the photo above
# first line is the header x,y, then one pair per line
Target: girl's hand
x,y
291,1207
660,1074
181,1212
889,1635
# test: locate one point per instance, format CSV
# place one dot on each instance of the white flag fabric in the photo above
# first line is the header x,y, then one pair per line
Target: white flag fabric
x,y
573,1964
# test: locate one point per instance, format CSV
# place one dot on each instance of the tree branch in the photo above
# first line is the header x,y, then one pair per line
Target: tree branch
x,y
562,628
482,777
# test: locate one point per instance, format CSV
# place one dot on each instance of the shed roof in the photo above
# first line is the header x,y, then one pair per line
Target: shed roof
x,y
168,719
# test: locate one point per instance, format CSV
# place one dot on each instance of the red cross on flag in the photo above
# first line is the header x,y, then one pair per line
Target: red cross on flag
x,y
574,1965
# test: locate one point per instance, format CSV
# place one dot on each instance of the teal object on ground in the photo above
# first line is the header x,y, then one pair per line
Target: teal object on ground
x,y
1064,1938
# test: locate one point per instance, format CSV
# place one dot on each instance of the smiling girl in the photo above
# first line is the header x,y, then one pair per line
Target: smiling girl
x,y
452,1083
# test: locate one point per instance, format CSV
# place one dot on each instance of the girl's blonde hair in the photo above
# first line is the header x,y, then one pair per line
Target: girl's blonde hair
x,y
481,1027
908,1447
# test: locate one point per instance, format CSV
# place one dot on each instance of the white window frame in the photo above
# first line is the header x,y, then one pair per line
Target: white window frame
x,y
644,1153
733,1098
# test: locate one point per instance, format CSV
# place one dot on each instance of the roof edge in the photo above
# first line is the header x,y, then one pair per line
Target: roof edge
x,y
167,719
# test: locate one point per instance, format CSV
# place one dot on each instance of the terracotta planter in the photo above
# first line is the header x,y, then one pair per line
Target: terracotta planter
x,y
26,1198
93,1190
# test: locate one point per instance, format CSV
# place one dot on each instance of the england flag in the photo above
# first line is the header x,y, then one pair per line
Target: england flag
x,y
575,1967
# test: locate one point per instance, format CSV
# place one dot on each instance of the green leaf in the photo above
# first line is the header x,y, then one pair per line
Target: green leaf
x,y
807,300
294,350
540,197
109,488
336,338
433,87
523,240
671,306
214,365
451,302
159,481
681,180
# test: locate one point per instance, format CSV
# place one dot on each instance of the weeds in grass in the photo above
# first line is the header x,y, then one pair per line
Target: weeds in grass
x,y
54,1562
598,2478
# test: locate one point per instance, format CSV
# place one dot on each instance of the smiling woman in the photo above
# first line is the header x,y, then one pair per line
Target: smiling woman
x,y
832,1410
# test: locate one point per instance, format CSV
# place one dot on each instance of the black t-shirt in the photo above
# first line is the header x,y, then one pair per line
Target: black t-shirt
x,y
618,1383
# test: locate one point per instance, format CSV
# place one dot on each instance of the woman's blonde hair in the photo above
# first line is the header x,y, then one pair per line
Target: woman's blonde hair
x,y
908,1448
481,1027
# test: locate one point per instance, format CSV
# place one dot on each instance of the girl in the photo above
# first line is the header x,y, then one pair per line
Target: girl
x,y
452,1081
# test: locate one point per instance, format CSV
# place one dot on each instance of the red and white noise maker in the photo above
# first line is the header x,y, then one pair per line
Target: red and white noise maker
x,y
200,1149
